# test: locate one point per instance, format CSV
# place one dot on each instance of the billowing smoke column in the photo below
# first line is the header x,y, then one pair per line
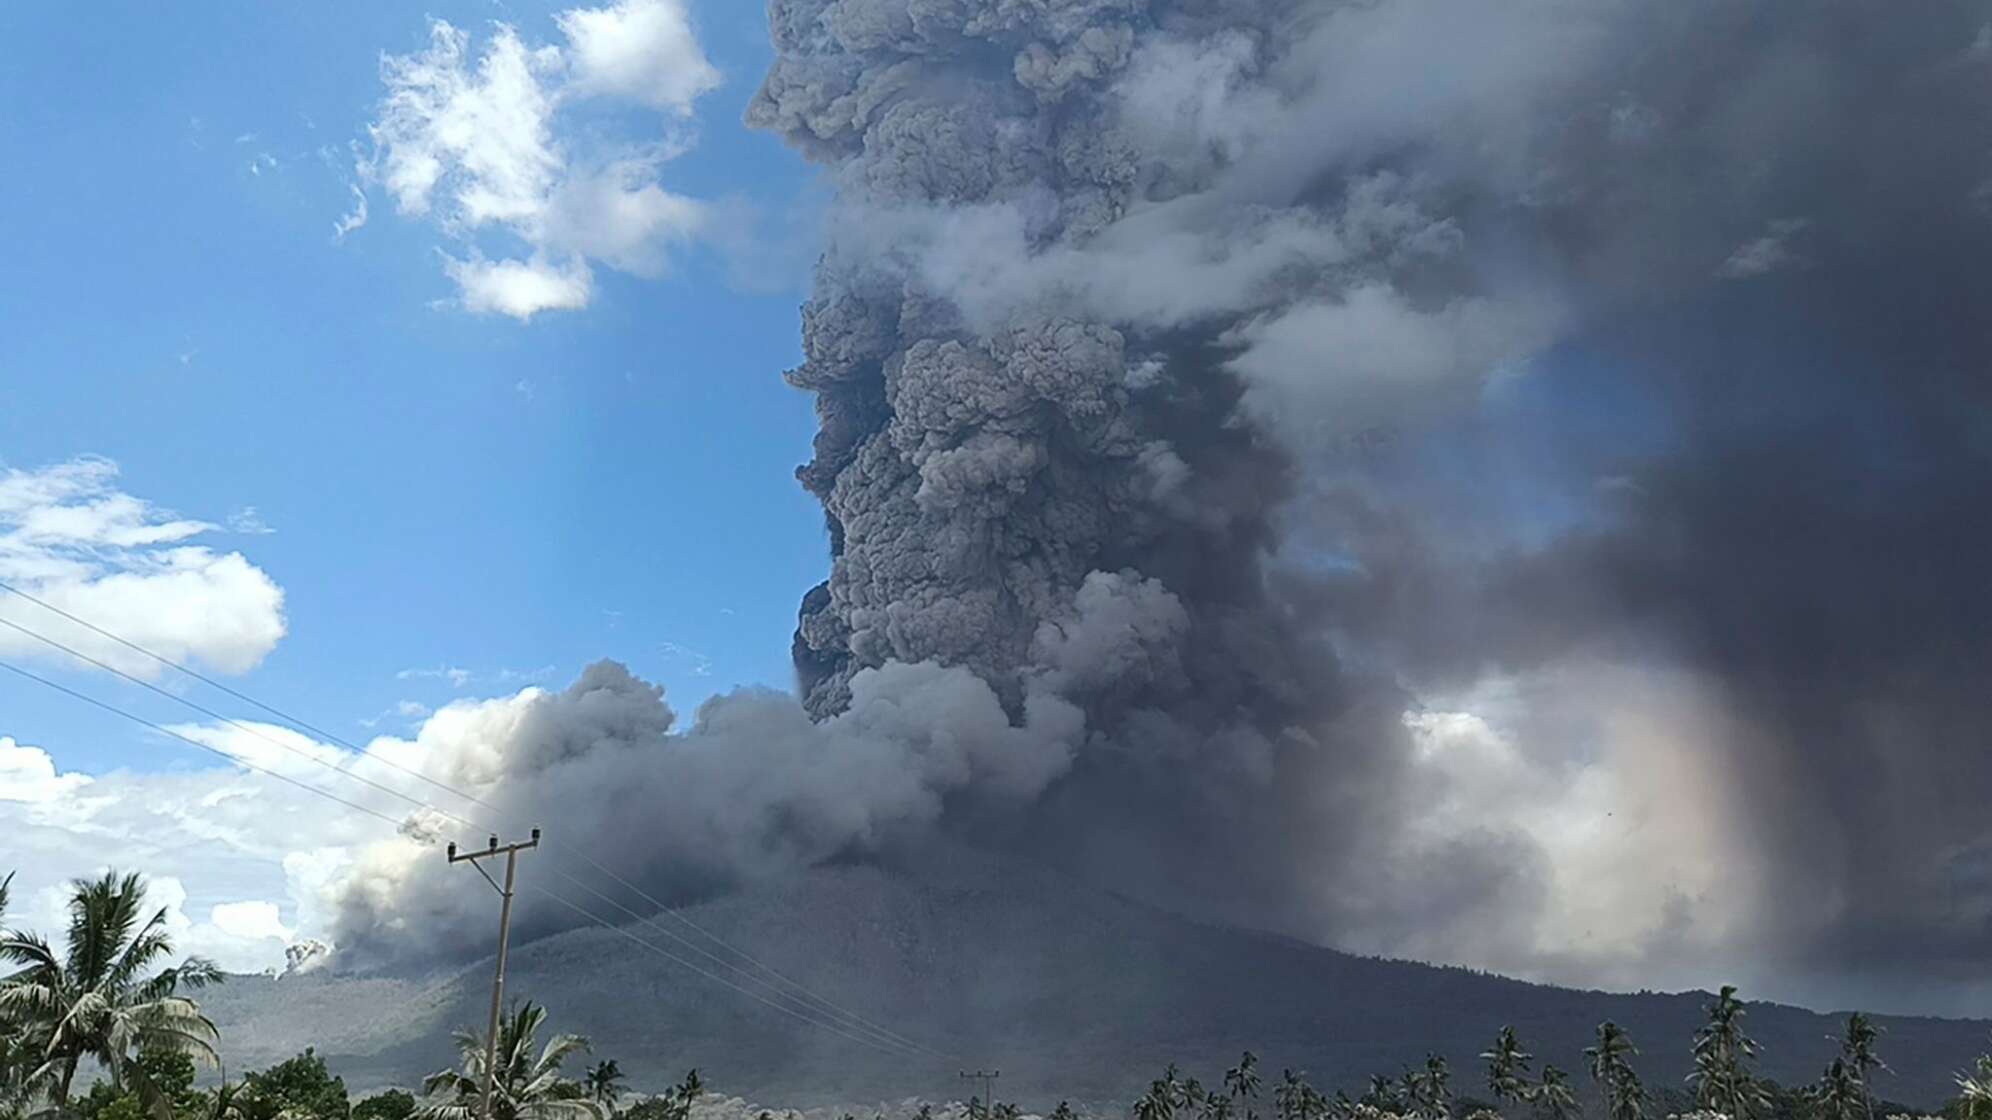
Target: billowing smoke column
x,y
1498,482
1490,345
1043,456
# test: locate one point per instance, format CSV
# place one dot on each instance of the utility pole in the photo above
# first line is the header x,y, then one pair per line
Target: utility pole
x,y
988,1078
511,854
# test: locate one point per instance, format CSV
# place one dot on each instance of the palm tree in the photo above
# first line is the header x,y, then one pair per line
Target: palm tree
x,y
528,1086
604,1082
1431,1095
1383,1094
1507,1067
1611,1068
1293,1100
1857,1047
1553,1097
1241,1082
96,999
1723,1053
1975,1091
17,1054
1838,1094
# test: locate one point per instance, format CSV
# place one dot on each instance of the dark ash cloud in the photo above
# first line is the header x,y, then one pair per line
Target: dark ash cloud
x,y
1504,484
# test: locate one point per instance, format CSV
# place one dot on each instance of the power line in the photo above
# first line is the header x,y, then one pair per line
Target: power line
x,y
621,932
860,1024
242,727
808,999
357,807
238,760
815,1003
178,667
687,922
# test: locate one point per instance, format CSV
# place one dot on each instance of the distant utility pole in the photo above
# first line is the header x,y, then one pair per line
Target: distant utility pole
x,y
988,1078
511,853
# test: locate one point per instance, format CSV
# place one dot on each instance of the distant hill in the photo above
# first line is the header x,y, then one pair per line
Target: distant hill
x,y
1071,992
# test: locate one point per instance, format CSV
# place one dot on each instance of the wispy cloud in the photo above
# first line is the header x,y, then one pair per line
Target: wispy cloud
x,y
477,140
456,676
697,663
353,219
249,522
459,677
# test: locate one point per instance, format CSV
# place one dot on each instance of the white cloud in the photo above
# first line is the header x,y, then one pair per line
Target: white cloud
x,y
250,921
474,141
522,289
251,853
28,774
206,840
645,50
70,537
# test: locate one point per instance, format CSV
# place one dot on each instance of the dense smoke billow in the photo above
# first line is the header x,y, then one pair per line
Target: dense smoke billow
x,y
1504,483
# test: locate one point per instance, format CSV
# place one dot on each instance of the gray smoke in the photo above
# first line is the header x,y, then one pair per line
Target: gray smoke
x,y
1283,425
1398,346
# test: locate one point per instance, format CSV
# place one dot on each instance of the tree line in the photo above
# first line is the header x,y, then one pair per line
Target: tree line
x,y
1723,1084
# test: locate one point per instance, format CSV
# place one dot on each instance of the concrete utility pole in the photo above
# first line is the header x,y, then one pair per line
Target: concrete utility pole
x,y
511,854
988,1078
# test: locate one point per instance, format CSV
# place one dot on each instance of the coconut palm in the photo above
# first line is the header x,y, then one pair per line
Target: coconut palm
x,y
17,1054
1383,1094
1723,1053
1857,1048
1507,1067
1838,1094
1241,1082
99,998
1975,1091
528,1086
1611,1068
1431,1092
604,1082
1295,1098
1553,1098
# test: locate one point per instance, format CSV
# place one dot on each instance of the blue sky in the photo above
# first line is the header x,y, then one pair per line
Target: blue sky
x,y
220,386
446,488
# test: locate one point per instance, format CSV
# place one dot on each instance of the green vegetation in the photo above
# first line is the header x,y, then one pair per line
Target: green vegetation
x,y
393,1104
528,1086
99,998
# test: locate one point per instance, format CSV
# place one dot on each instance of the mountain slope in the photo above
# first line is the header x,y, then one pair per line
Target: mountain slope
x,y
1072,993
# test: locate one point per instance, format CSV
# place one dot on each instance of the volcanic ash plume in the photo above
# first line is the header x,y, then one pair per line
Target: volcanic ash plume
x,y
1493,482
